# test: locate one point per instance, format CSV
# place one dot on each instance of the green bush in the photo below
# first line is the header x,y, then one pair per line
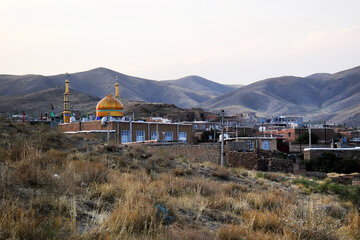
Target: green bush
x,y
304,138
329,162
347,193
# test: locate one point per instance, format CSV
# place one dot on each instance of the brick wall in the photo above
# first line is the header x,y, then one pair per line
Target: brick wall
x,y
193,153
147,127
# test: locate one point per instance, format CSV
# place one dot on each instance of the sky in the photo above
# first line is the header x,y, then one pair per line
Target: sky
x,y
227,41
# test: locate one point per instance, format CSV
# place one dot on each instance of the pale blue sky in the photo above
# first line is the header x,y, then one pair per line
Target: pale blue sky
x,y
228,41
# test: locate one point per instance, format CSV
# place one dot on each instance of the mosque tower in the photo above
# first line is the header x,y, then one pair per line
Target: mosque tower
x,y
67,112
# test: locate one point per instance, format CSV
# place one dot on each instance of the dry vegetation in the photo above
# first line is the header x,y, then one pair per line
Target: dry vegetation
x,y
59,187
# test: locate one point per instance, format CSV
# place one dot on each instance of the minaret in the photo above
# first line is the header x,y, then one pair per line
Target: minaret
x,y
67,112
117,89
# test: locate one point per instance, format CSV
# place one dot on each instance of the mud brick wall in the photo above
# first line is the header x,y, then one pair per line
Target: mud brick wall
x,y
193,153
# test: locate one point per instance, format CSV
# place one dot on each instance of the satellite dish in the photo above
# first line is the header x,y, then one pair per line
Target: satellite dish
x,y
103,121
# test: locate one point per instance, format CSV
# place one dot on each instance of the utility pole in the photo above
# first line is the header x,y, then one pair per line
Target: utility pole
x,y
108,128
223,138
236,127
325,132
309,133
214,139
300,140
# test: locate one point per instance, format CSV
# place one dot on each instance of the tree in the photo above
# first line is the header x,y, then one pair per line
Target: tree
x,y
304,138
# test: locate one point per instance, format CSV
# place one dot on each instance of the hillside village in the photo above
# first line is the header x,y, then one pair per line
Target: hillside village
x,y
107,134
191,175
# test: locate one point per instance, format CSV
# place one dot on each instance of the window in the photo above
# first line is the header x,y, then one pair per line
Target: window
x,y
154,135
289,134
125,136
168,136
265,145
140,136
182,136
250,145
195,127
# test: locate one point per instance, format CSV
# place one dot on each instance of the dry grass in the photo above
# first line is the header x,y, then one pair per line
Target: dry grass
x,y
220,172
108,192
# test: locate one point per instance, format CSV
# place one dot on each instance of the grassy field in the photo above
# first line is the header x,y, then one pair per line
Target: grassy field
x,y
54,186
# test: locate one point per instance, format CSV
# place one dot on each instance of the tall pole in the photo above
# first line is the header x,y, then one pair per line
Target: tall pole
x,y
214,134
325,132
222,139
157,131
108,128
299,137
309,134
236,127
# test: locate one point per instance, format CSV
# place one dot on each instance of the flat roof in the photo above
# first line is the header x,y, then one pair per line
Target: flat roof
x,y
178,123
90,131
251,138
332,149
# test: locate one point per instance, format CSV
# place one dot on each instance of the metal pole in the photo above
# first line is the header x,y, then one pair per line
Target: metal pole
x,y
130,130
309,134
222,139
214,134
325,133
157,131
299,137
108,128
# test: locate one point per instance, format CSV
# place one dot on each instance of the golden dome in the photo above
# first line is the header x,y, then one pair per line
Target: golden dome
x,y
109,105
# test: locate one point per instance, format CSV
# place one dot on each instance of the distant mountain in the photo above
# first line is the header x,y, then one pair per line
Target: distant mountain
x,y
235,85
331,97
185,92
201,85
33,104
320,96
41,101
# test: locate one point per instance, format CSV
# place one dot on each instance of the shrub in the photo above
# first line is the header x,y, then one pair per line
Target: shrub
x,y
77,172
29,174
310,222
189,234
220,172
18,223
263,220
133,216
329,162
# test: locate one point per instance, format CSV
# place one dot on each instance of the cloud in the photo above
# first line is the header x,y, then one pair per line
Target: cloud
x,y
322,41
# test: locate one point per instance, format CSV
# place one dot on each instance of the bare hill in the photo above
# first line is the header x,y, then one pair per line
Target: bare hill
x,y
98,82
37,102
202,85
41,101
332,97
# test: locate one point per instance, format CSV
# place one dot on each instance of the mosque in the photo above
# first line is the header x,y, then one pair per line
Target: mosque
x,y
110,120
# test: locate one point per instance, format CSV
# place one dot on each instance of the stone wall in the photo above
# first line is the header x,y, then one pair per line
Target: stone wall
x,y
281,165
193,153
260,161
